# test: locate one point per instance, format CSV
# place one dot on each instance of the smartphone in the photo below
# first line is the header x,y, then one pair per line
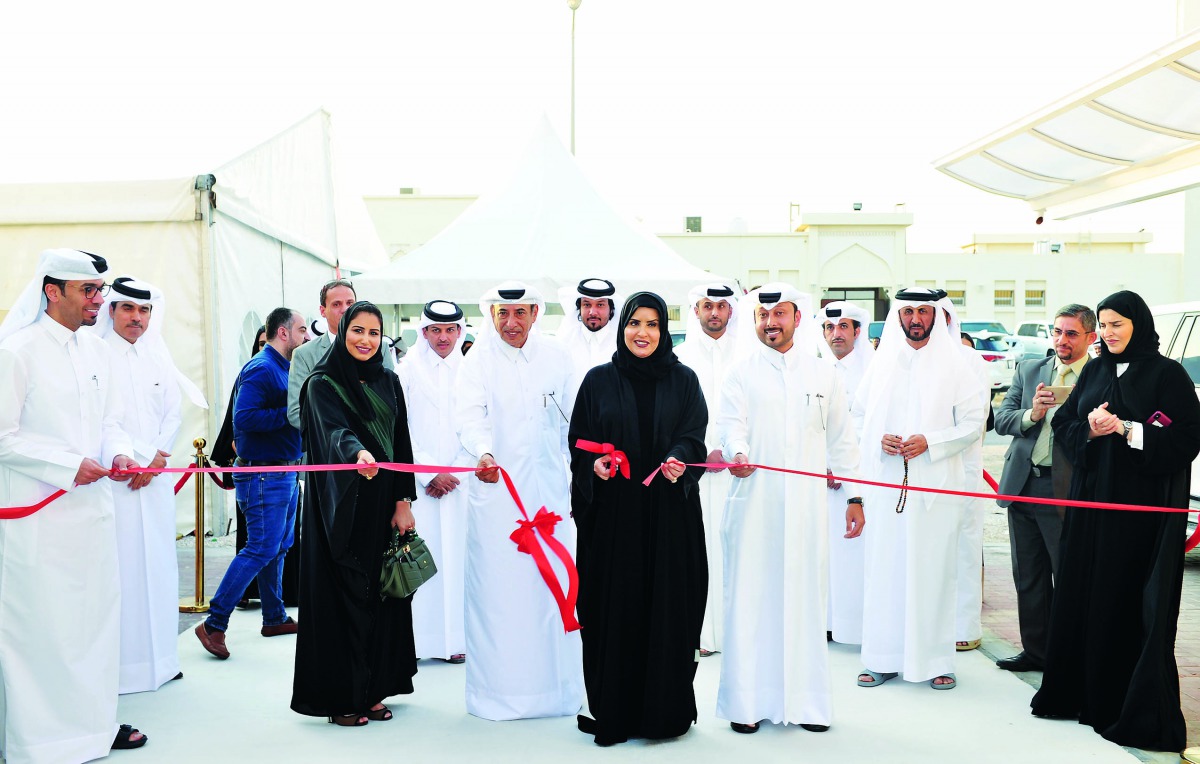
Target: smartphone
x,y
1060,392
1159,419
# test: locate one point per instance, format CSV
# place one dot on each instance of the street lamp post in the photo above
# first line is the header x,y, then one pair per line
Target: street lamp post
x,y
574,6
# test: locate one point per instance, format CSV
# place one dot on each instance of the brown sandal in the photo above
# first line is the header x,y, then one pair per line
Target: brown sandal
x,y
382,714
349,720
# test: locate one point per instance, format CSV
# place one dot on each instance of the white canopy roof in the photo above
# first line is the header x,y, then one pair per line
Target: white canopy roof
x,y
547,227
1133,135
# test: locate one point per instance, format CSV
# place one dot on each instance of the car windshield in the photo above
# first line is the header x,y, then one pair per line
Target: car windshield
x,y
984,326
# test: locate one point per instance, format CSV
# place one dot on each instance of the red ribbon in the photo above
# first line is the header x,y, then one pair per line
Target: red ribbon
x,y
16,513
619,459
526,539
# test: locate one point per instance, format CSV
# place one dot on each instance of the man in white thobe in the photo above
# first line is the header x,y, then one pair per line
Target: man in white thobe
x,y
514,396
781,406
968,611
587,331
843,325
428,375
708,350
146,382
60,591
917,410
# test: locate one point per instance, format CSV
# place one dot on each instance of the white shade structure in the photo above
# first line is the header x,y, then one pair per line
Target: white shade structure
x,y
1133,135
548,227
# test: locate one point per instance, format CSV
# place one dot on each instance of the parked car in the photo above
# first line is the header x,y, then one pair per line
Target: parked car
x,y
1178,327
982,328
1037,339
988,330
1001,360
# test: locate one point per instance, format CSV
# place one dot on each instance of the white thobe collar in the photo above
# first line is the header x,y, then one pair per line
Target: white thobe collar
x,y
713,345
122,347
59,333
786,360
510,353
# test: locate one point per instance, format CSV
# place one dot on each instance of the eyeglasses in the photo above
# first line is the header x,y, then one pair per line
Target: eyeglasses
x,y
1071,334
91,290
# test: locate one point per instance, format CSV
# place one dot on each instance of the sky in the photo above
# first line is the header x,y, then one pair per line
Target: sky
x,y
728,111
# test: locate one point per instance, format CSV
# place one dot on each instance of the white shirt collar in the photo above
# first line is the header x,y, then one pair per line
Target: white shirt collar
x,y
61,334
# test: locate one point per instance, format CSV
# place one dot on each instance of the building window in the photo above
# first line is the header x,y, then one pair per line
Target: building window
x,y
1004,298
1035,298
958,297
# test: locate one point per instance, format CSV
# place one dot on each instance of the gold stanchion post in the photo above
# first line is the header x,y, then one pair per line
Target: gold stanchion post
x,y
198,604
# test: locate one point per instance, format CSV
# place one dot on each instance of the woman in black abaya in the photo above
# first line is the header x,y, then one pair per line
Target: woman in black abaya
x,y
1110,660
643,575
353,648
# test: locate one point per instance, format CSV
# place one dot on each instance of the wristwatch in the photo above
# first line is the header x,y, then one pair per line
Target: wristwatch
x,y
1128,424
854,500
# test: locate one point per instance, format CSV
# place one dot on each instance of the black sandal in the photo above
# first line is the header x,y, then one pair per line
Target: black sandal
x,y
124,741
383,714
349,720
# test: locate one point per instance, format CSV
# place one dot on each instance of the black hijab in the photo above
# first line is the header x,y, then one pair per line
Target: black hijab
x,y
348,371
1143,343
659,364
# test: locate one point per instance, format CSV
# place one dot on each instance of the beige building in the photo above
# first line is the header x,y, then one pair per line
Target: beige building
x,y
863,257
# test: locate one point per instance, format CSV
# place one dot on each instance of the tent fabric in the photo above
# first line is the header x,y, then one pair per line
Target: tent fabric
x,y
548,227
1135,134
276,235
138,201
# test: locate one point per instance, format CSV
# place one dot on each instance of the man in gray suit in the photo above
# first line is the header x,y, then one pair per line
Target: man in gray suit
x,y
1031,470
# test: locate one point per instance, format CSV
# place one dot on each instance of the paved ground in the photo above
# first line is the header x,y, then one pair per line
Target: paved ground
x,y
1001,636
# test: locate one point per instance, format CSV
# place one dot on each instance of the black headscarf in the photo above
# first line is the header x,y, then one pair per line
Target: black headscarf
x,y
659,364
1143,343
348,371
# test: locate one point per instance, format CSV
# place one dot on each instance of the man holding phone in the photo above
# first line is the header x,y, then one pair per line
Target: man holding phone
x,y
1038,388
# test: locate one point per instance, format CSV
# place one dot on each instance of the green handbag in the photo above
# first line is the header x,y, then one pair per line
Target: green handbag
x,y
407,564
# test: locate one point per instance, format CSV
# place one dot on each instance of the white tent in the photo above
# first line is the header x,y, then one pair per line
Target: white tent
x,y
264,230
547,226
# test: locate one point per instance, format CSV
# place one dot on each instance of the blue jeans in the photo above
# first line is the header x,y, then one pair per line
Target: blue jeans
x,y
268,500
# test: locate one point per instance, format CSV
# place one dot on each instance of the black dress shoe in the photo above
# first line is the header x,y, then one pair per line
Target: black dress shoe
x,y
745,729
1019,662
816,727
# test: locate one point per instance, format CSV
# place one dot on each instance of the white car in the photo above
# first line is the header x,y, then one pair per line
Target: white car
x,y
1001,359
1036,339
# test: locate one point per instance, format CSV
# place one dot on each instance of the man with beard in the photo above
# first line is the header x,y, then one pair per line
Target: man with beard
x,y
513,397
781,405
917,409
1031,469
264,438
842,325
709,347
428,377
60,587
587,332
149,385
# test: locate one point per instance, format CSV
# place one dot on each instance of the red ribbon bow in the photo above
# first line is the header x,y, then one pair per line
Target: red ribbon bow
x,y
619,460
526,539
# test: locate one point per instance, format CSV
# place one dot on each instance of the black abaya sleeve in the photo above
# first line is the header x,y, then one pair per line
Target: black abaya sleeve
x,y
404,484
1166,450
330,438
586,425
686,440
